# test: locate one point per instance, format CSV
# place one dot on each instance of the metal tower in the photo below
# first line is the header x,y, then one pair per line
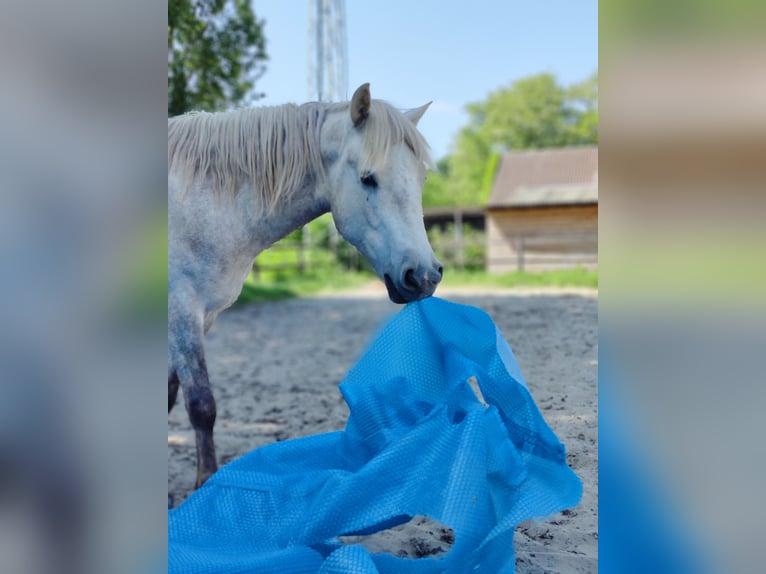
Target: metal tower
x,y
327,67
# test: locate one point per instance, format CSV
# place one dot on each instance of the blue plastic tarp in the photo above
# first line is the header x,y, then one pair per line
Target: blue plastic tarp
x,y
418,441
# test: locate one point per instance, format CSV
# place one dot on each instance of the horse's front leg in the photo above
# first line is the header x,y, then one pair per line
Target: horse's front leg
x,y
172,389
200,405
188,358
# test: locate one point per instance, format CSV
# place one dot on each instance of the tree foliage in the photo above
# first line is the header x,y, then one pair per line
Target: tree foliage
x,y
584,98
435,187
216,50
534,112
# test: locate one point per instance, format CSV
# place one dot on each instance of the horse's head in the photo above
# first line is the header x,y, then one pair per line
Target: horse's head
x,y
376,168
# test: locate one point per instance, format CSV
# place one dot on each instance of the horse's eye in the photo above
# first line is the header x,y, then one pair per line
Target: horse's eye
x,y
369,180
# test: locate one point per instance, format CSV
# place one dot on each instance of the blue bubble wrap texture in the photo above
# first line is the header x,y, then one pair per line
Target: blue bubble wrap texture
x,y
418,441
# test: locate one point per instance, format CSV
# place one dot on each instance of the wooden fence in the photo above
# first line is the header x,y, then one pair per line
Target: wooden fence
x,y
543,251
456,248
306,252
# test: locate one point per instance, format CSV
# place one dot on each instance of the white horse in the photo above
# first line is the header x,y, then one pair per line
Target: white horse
x,y
239,181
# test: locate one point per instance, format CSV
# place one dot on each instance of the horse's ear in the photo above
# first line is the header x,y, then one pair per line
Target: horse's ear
x,y
360,104
415,114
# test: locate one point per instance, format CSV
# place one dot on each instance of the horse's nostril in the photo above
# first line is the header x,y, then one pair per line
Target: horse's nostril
x,y
441,271
409,279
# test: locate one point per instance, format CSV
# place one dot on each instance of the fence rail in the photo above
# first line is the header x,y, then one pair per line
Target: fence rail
x,y
537,251
300,256
456,249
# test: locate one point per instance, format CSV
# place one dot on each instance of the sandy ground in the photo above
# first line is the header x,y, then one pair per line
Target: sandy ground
x,y
275,368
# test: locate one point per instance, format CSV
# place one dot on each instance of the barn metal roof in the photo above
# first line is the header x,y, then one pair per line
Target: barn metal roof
x,y
546,177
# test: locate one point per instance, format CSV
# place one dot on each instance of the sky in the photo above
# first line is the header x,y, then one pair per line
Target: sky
x,y
449,52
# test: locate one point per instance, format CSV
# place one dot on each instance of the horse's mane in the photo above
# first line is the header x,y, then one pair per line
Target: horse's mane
x,y
276,147
273,146
385,127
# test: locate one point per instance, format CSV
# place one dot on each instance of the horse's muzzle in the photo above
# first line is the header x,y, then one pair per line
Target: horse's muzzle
x,y
414,283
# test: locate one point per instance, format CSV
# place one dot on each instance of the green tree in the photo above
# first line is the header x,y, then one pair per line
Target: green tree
x,y
534,112
216,52
584,98
435,187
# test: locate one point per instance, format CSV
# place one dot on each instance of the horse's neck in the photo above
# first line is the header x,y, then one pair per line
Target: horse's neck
x,y
305,205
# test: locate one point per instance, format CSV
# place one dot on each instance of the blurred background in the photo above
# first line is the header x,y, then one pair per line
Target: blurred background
x,y
682,270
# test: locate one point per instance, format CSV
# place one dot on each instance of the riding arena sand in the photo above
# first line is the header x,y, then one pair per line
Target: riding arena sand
x,y
275,369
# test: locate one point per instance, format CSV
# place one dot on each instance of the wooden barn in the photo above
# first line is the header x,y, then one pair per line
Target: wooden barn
x,y
542,211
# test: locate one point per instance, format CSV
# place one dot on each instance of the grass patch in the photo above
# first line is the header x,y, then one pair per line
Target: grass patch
x,y
577,277
275,286
253,293
279,286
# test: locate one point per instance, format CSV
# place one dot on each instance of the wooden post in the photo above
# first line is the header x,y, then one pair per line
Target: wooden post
x,y
459,253
300,252
520,253
307,244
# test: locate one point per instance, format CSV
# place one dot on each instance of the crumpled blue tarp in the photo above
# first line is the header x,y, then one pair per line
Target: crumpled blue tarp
x,y
418,442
